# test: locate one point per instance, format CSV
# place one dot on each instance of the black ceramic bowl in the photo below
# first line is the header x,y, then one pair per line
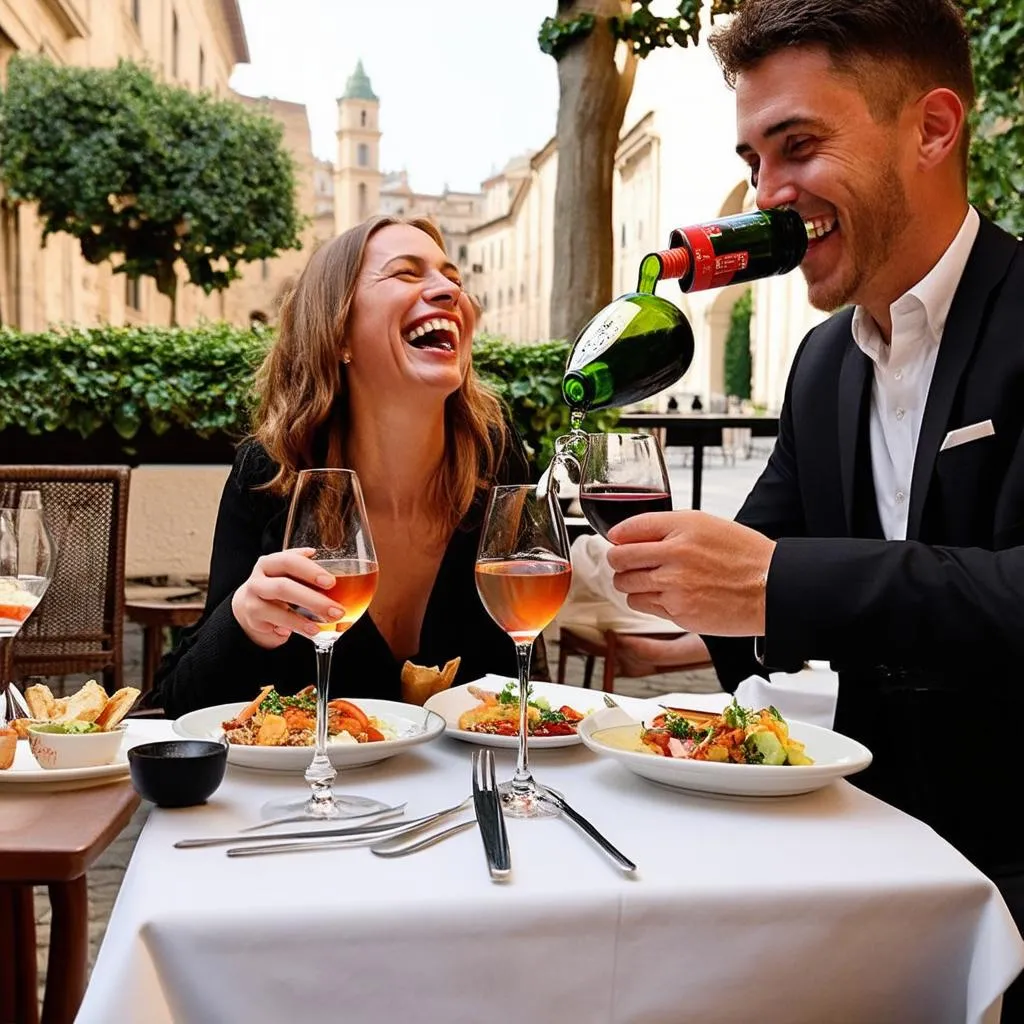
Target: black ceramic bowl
x,y
177,773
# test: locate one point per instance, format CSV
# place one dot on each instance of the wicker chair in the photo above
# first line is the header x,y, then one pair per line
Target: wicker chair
x,y
79,625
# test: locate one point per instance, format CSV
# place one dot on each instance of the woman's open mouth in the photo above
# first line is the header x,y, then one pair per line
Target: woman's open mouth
x,y
438,334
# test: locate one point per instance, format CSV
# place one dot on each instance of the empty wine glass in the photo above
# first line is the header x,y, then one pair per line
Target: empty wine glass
x,y
523,576
327,514
27,560
623,475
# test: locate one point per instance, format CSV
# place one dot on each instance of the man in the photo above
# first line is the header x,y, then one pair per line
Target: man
x,y
885,534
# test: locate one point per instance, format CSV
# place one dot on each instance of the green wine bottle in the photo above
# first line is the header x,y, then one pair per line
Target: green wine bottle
x,y
635,347
641,344
733,250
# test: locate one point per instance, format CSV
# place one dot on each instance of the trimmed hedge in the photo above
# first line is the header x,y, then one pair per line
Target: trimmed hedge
x,y
153,379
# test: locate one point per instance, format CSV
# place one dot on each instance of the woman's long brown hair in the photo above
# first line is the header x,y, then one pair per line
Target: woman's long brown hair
x,y
302,386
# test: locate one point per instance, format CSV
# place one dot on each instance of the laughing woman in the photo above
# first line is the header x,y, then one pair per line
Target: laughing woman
x,y
372,372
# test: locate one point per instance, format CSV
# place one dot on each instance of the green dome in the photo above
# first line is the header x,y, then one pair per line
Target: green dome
x,y
358,85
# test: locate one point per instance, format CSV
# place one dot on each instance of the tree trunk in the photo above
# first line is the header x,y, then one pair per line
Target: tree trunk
x,y
592,101
167,284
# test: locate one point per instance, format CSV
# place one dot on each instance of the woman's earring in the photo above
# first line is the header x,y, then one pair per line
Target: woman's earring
x,y
346,357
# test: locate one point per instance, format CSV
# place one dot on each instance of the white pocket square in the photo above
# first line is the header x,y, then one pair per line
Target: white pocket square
x,y
964,434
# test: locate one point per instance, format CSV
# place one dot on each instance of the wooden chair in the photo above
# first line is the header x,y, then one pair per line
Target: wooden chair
x,y
79,624
592,643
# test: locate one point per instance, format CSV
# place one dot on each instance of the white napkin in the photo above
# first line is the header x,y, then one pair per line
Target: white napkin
x,y
807,696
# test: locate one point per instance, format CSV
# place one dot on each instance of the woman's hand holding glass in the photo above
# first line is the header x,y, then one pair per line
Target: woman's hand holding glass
x,y
265,604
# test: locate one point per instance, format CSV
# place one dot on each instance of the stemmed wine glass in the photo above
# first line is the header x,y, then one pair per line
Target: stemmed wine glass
x,y
327,514
623,475
27,561
523,576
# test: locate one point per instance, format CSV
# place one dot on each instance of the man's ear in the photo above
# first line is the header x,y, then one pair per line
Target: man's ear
x,y
941,119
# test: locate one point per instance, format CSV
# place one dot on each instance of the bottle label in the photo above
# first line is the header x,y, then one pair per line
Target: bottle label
x,y
709,269
602,334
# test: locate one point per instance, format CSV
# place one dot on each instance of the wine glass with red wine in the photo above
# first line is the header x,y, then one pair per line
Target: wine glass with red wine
x,y
522,577
623,476
327,514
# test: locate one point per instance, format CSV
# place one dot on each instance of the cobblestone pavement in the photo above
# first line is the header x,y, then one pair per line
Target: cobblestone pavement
x,y
724,487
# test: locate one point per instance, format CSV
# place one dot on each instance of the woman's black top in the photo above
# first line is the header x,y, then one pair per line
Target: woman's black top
x,y
216,662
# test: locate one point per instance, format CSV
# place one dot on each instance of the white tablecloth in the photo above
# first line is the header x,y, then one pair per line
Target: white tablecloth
x,y
830,907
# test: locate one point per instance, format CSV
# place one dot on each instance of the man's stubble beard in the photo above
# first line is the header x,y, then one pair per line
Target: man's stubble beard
x,y
879,221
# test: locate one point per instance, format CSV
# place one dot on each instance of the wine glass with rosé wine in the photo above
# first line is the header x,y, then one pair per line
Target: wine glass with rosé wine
x,y
522,576
327,514
27,560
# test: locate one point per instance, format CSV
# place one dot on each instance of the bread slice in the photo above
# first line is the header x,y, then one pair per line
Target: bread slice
x,y
420,682
40,702
117,707
86,705
8,747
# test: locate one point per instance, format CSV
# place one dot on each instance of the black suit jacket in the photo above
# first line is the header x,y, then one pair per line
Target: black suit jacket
x,y
928,633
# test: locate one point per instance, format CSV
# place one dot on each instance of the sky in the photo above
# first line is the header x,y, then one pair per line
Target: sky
x,y
462,84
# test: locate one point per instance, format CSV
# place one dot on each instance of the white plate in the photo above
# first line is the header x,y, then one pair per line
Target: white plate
x,y
451,704
25,773
412,725
834,756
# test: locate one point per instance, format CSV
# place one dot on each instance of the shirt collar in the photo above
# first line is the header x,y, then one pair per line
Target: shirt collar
x,y
933,293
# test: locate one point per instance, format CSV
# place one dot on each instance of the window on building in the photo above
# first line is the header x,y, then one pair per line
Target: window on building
x,y
363,212
623,243
174,43
483,302
501,254
137,12
362,118
363,155
511,296
202,68
132,293
499,298
463,254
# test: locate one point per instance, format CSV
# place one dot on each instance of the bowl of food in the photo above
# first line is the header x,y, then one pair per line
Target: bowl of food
x,y
177,773
80,731
74,744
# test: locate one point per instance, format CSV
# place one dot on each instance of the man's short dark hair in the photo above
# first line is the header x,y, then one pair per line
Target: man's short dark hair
x,y
923,43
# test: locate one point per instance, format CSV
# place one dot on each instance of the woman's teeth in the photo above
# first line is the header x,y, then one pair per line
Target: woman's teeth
x,y
450,328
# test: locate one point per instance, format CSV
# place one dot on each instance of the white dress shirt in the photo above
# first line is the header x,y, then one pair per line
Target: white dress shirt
x,y
903,374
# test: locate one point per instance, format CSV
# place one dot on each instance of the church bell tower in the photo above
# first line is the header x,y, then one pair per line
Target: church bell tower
x,y
357,175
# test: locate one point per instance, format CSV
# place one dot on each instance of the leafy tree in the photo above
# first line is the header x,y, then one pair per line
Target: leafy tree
x,y
153,173
737,348
593,93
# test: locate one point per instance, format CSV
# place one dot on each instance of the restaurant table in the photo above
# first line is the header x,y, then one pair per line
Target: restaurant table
x,y
697,431
829,907
51,839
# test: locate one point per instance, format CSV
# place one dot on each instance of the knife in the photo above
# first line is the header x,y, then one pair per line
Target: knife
x,y
573,815
487,806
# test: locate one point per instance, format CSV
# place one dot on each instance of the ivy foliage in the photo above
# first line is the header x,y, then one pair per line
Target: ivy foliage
x,y
200,379
152,173
81,379
641,29
737,368
529,379
996,181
